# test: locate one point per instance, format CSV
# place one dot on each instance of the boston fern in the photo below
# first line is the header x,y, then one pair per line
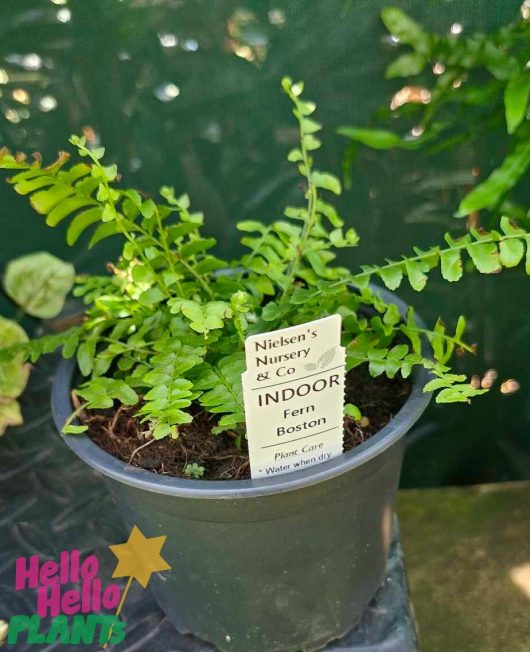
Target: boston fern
x,y
165,330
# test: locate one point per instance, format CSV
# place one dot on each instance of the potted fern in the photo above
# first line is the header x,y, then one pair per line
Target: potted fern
x,y
283,563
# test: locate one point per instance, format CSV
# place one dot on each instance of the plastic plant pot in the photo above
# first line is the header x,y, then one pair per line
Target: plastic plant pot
x,y
280,564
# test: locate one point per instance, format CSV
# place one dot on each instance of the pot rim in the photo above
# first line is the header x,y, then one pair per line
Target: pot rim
x,y
118,470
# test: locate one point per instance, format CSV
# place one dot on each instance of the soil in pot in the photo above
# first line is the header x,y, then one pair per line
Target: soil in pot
x,y
119,433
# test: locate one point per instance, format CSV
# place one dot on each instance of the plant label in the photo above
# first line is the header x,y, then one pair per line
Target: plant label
x,y
293,391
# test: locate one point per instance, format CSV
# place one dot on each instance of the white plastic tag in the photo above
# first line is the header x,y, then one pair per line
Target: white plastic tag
x,y
293,391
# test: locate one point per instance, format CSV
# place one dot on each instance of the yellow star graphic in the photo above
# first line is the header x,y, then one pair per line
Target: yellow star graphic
x,y
139,557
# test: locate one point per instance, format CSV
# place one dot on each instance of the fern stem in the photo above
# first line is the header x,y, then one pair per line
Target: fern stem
x,y
460,246
448,338
312,197
74,416
133,347
121,221
167,251
255,251
198,277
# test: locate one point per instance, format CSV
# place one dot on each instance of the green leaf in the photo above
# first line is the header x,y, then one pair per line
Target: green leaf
x,y
100,393
500,181
326,181
85,355
330,213
406,29
295,156
296,213
210,264
216,312
249,226
76,172
509,228
39,283
13,373
310,142
391,316
66,208
511,252
24,186
10,414
109,213
437,341
436,383
192,310
398,352
102,232
123,392
272,312
451,265
306,108
317,263
142,273
485,256
192,248
501,65
162,430
110,172
415,273
301,295
80,222
134,196
410,329
352,411
310,126
98,152
406,65
45,200
460,327
374,138
72,429
263,285
392,276
152,296
516,97
148,208
458,394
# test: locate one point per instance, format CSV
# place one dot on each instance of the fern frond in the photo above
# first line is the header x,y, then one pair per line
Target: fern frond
x,y
488,252
222,390
170,393
40,346
452,388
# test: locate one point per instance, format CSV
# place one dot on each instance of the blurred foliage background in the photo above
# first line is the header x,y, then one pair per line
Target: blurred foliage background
x,y
187,93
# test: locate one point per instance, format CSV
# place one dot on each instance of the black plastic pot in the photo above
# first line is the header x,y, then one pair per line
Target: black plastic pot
x,y
279,564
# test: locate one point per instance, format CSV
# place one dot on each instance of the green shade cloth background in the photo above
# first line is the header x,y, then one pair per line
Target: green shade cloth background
x,y
167,87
